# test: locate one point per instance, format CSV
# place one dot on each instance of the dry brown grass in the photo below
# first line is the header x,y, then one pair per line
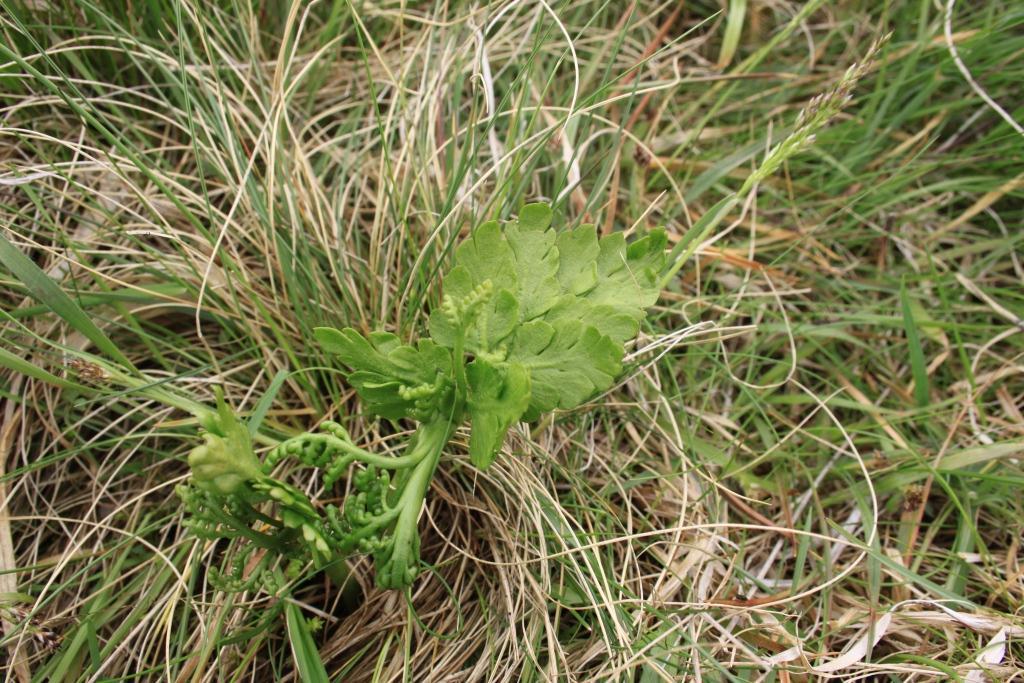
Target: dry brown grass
x,y
761,499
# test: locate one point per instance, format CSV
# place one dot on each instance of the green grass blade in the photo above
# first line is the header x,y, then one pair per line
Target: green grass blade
x,y
19,364
729,163
47,292
733,31
263,405
922,389
308,665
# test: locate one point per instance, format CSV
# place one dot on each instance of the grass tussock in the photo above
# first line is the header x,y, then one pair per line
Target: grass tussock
x,y
813,468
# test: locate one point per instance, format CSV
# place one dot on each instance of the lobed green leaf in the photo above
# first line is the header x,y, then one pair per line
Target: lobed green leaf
x,y
394,380
499,394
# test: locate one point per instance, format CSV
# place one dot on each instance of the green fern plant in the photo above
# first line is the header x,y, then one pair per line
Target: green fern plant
x,y
532,320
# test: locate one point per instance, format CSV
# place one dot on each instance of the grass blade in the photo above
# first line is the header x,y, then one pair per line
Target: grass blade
x,y
733,31
48,292
263,405
918,368
308,665
19,364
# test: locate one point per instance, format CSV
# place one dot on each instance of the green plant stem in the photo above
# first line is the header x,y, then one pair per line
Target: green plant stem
x,y
430,442
355,453
690,241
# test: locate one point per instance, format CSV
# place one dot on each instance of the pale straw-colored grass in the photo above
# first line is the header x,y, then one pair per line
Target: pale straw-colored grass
x,y
759,499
